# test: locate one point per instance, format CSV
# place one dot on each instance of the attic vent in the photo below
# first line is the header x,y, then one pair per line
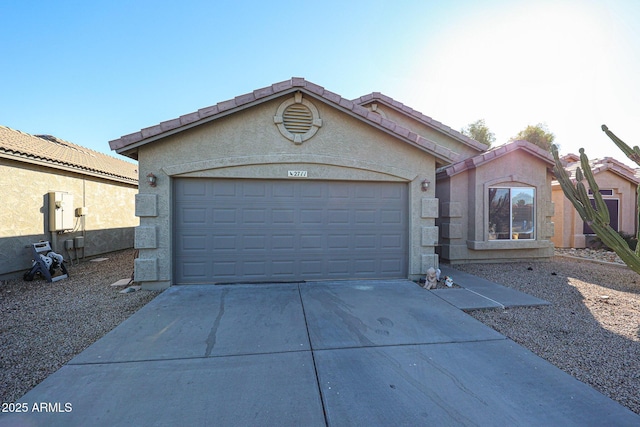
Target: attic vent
x,y
297,119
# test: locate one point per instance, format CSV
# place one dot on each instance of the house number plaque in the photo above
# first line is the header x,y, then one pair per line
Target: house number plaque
x,y
297,174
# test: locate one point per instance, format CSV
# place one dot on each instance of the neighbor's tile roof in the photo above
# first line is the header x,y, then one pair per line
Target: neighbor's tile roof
x,y
128,144
494,153
600,165
56,153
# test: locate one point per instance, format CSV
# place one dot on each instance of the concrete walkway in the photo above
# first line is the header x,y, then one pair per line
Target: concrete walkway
x,y
348,353
477,293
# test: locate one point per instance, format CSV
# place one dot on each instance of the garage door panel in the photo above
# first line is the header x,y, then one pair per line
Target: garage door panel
x,y
391,241
248,230
193,243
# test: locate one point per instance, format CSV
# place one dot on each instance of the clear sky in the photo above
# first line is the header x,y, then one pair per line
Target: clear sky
x,y
92,71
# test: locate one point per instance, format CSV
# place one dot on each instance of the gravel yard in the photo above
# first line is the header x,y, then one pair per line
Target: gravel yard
x,y
591,330
44,325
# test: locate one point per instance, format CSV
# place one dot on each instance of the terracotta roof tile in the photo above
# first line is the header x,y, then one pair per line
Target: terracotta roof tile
x,y
279,87
170,124
226,105
602,165
241,101
346,103
298,81
265,91
151,131
314,88
495,153
331,96
189,118
59,154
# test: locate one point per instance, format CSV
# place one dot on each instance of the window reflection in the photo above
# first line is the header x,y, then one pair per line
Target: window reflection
x,y
511,213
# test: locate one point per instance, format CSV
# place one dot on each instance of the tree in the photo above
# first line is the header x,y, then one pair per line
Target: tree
x,y
598,216
479,131
538,135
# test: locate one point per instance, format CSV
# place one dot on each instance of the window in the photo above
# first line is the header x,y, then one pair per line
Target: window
x,y
512,213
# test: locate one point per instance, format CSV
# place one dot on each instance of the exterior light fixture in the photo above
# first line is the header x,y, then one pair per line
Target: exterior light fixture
x,y
151,179
424,185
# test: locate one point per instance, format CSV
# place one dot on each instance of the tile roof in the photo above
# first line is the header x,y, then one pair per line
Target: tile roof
x,y
56,153
601,165
428,121
494,153
128,144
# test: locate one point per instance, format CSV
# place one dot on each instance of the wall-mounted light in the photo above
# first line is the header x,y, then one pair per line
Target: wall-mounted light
x,y
152,179
424,185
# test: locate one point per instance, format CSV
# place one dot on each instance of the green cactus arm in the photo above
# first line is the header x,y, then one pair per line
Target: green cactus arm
x,y
601,207
631,153
613,240
585,201
566,184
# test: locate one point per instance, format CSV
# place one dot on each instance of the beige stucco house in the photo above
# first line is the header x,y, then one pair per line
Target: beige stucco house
x,y
618,185
496,206
80,200
293,182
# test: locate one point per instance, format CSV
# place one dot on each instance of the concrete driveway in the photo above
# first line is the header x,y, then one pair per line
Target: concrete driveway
x,y
348,353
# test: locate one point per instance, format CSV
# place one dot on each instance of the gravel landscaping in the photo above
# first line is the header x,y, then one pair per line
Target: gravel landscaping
x,y
44,325
591,329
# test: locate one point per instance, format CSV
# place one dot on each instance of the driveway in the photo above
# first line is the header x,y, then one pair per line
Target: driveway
x,y
338,353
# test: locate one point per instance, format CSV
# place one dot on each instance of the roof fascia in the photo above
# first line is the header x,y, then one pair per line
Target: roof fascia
x,y
422,118
333,100
58,166
491,155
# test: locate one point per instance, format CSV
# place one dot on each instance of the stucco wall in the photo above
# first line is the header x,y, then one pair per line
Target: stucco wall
x,y
464,210
248,144
569,225
108,225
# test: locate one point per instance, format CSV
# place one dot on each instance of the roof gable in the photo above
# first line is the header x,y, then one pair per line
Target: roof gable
x,y
602,165
128,144
56,153
377,97
495,153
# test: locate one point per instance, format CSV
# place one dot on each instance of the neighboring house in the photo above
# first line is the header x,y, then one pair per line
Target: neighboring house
x,y
57,191
292,182
618,184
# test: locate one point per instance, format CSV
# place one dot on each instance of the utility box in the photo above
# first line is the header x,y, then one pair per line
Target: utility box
x,y
61,212
78,242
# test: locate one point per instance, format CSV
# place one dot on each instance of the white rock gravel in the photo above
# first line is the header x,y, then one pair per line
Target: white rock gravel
x,y
44,325
591,330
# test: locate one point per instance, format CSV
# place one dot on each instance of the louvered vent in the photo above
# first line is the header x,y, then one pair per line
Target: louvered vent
x,y
297,119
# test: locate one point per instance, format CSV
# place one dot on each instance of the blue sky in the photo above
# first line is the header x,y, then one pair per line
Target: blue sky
x,y
92,71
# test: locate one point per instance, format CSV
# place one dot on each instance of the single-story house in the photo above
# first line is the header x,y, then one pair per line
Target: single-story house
x,y
618,185
80,200
293,182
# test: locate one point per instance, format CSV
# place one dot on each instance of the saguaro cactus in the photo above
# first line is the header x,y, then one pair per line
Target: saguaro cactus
x,y
598,217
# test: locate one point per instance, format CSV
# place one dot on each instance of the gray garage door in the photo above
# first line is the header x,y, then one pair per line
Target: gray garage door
x,y
235,230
